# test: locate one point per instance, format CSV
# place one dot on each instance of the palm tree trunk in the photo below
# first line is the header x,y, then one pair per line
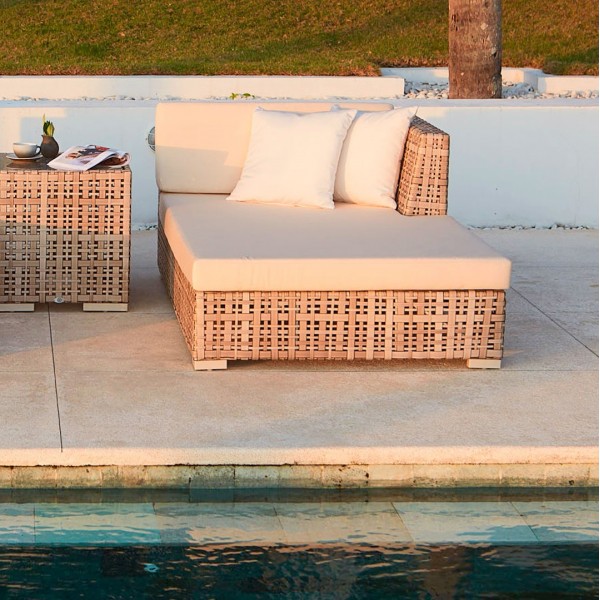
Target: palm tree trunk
x,y
475,48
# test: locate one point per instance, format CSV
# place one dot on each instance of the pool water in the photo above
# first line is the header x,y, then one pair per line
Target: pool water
x,y
230,572
263,546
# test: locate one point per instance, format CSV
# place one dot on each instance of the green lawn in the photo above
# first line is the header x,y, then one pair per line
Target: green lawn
x,y
317,37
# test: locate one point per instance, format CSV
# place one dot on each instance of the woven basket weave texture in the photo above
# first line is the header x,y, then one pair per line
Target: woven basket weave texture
x,y
64,235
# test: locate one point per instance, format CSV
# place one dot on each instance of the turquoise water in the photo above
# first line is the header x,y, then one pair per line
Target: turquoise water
x,y
269,544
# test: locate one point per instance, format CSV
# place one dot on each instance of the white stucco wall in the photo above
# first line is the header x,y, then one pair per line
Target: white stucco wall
x,y
513,162
120,124
519,162
193,87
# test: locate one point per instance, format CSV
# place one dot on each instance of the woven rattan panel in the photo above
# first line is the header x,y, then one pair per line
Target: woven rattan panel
x,y
335,325
64,235
350,325
180,291
423,187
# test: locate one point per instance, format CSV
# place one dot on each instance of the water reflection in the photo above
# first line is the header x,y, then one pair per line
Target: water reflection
x,y
345,572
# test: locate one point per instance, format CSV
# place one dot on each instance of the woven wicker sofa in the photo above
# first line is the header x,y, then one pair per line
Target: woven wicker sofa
x,y
255,282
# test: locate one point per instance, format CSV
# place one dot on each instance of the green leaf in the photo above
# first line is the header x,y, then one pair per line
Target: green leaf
x,y
48,127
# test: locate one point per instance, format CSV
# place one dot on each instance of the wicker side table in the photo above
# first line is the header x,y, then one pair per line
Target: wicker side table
x,y
64,236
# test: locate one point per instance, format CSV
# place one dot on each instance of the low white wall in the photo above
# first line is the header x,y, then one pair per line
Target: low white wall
x,y
513,162
540,81
520,162
117,124
193,87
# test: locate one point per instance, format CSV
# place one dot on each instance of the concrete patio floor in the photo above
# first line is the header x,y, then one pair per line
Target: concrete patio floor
x,y
111,399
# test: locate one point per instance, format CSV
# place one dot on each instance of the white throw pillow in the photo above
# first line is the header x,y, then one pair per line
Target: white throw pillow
x,y
369,164
293,157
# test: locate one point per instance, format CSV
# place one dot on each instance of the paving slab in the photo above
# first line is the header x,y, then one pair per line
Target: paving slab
x,y
535,342
583,326
29,422
147,292
25,344
80,521
144,249
121,390
17,524
342,523
561,521
279,417
87,342
220,523
558,288
95,524
465,522
545,247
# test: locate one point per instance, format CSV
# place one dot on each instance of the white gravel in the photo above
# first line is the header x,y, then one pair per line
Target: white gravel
x,y
531,227
439,91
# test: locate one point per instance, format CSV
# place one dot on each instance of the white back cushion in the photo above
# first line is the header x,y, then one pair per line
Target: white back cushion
x,y
293,157
201,147
369,165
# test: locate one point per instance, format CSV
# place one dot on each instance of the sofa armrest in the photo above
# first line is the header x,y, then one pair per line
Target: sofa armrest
x,y
423,186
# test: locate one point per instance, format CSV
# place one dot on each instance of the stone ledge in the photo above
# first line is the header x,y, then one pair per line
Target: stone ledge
x,y
192,477
198,87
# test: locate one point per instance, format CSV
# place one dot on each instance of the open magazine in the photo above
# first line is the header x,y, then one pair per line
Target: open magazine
x,y
82,158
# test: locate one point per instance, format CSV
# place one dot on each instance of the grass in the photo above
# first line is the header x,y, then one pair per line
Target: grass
x,y
295,37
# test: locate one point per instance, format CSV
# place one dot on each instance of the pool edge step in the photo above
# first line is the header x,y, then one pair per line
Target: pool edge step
x,y
300,476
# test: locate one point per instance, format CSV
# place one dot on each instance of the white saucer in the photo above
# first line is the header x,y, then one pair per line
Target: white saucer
x,y
15,157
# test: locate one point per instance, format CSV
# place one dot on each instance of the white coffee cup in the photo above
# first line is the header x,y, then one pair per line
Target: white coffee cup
x,y
25,149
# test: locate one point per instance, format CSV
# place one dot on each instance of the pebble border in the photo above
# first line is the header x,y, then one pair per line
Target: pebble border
x,y
510,91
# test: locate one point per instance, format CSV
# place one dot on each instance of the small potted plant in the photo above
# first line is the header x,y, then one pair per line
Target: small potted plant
x,y
49,146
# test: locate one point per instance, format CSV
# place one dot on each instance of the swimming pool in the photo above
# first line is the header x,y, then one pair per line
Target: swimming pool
x,y
266,544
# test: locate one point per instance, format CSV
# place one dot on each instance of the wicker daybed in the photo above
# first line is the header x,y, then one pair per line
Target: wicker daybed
x,y
253,282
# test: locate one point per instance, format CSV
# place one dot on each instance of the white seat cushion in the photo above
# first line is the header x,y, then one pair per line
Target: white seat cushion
x,y
231,246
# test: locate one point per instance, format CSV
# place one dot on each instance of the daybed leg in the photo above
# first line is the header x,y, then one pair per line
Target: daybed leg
x,y
483,363
23,307
209,365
